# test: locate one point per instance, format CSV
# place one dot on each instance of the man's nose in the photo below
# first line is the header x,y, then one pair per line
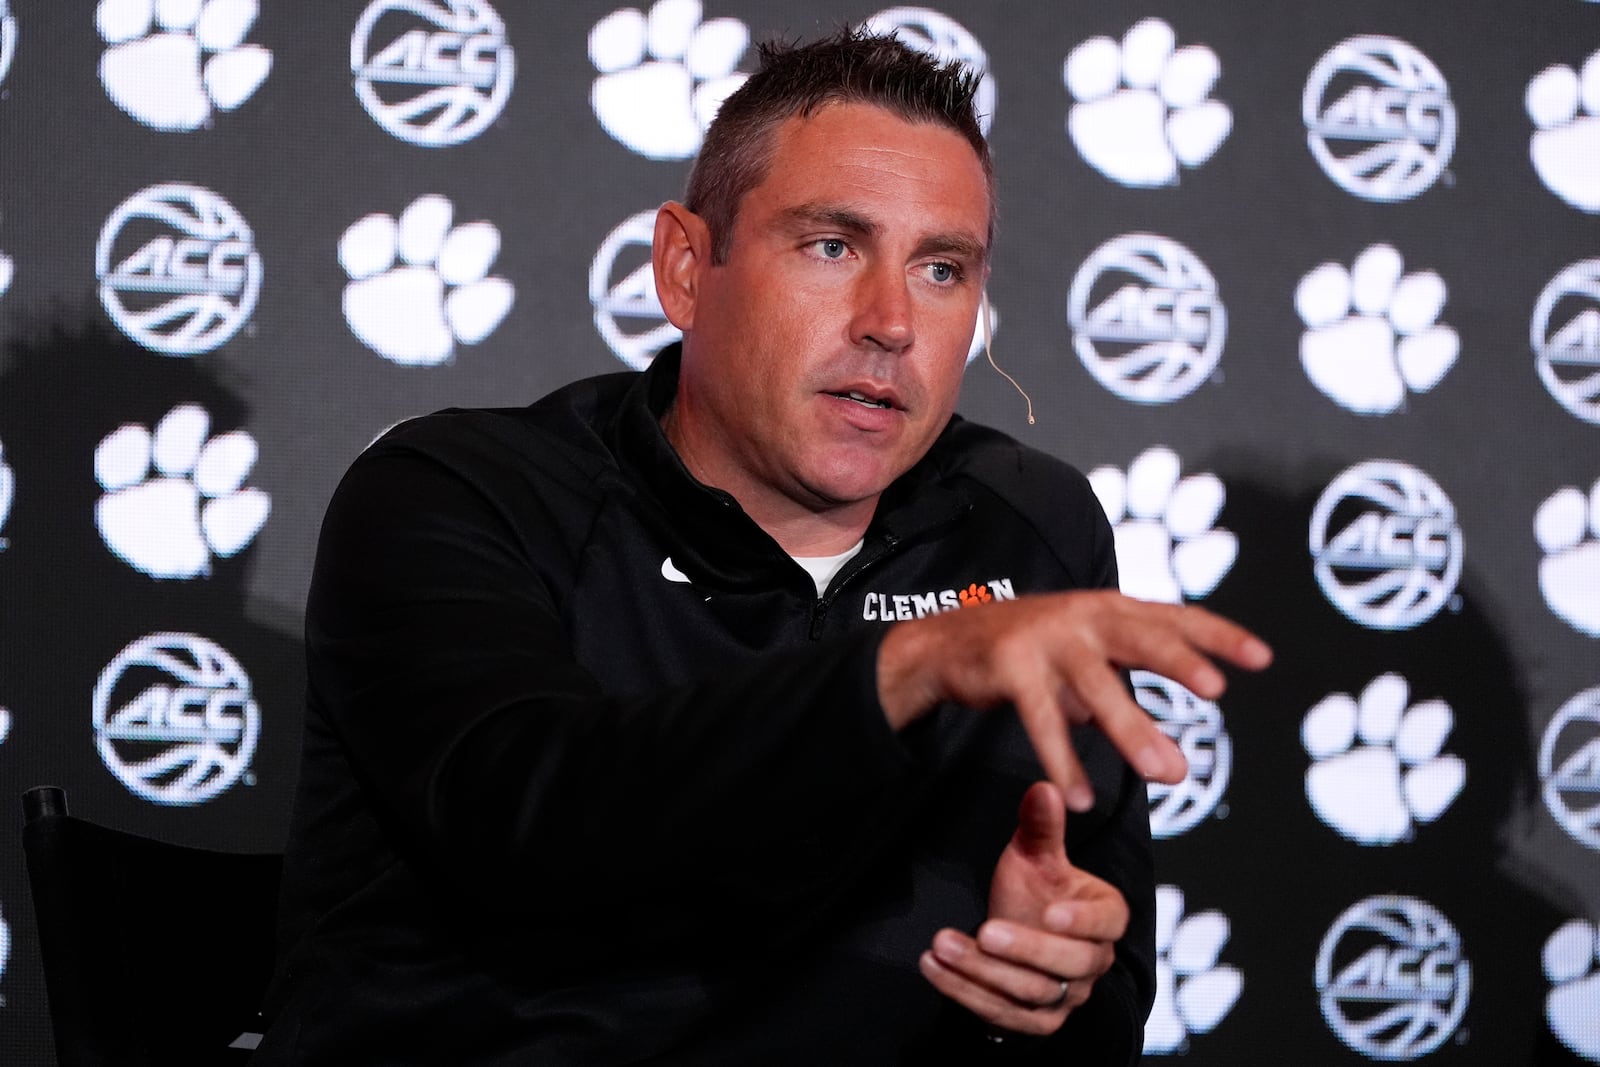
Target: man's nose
x,y
883,310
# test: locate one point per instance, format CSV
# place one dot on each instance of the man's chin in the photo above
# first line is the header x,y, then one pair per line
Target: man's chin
x,y
858,485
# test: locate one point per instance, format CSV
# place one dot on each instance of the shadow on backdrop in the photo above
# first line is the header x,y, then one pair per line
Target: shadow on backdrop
x,y
69,606
1284,877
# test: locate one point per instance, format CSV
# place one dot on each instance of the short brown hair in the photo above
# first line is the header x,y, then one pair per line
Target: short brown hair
x,y
851,66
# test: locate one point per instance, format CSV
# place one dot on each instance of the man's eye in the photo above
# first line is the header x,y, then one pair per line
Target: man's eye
x,y
943,272
833,248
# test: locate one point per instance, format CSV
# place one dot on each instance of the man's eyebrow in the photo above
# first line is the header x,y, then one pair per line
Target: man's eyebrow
x,y
957,245
848,221
841,218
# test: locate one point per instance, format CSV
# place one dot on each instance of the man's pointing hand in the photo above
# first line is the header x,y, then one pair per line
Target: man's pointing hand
x,y
1057,659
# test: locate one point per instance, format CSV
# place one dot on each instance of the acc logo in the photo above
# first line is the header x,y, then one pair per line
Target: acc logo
x,y
1146,318
1565,334
436,72
1391,978
178,269
8,38
1386,545
942,37
174,718
1196,725
1378,118
622,291
1569,767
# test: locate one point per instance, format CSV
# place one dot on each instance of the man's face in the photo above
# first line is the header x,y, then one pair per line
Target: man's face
x,y
825,355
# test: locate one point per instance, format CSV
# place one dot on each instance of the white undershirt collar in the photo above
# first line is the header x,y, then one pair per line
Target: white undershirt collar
x,y
823,568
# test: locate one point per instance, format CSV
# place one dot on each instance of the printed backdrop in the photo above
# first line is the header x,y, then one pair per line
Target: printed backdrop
x,y
1312,290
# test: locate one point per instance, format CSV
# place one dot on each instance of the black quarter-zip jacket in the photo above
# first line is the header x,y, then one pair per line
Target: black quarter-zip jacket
x,y
592,776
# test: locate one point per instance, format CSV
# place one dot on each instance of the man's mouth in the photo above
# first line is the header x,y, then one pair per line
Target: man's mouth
x,y
863,399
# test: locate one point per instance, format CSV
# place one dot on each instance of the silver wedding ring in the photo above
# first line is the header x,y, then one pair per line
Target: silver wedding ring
x,y
1062,999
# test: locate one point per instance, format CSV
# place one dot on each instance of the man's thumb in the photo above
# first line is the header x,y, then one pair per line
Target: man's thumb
x,y
1042,820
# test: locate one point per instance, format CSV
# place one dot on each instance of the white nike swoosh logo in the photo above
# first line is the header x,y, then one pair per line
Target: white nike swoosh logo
x,y
671,573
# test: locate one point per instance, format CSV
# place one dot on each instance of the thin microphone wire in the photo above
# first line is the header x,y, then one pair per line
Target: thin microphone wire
x,y
988,350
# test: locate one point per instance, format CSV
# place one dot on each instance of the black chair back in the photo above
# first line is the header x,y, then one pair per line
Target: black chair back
x,y
154,953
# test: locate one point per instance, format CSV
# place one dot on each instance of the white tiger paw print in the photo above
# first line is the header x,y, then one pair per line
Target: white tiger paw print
x,y
1142,107
1166,547
1565,107
175,498
1353,317
397,301
1373,793
1193,993
8,270
1572,965
171,61
663,75
8,38
1567,527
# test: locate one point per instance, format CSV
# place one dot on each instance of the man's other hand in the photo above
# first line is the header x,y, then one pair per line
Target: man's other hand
x,y
1051,932
1056,658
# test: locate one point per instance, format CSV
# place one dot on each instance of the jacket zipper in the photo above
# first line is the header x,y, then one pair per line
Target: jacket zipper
x,y
820,606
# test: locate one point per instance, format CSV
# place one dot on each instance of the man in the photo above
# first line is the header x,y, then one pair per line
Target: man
x,y
612,752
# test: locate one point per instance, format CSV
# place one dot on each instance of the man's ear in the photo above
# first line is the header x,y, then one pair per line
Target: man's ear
x,y
680,254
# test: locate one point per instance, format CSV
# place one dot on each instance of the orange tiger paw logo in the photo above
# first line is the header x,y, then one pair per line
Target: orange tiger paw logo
x,y
975,594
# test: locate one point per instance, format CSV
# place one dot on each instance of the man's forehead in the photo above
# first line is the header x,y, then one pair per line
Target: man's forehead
x,y
813,155
856,123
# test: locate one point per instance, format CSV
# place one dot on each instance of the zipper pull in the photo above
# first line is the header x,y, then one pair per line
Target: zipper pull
x,y
819,610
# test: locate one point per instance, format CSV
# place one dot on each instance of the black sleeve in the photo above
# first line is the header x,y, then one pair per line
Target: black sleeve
x,y
498,766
